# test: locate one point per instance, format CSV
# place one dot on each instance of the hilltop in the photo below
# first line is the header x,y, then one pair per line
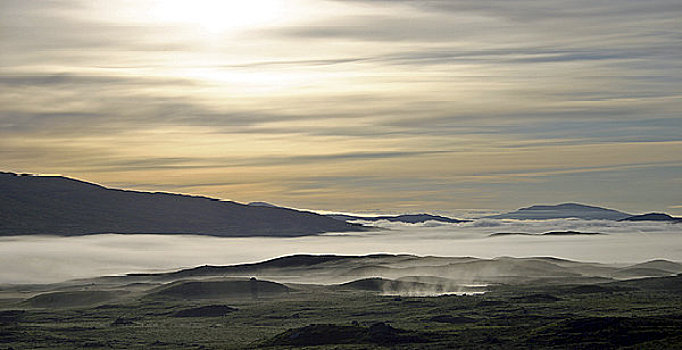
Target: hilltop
x,y
406,218
653,217
63,206
562,211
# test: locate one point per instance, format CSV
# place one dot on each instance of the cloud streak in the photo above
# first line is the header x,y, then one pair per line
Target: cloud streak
x,y
397,100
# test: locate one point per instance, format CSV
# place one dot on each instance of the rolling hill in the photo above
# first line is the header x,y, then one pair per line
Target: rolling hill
x,y
562,211
429,269
407,218
63,206
653,217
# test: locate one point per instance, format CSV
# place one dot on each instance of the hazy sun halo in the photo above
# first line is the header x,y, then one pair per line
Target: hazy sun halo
x,y
218,16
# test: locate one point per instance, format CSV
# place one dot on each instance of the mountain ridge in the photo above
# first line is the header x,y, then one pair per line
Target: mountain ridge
x,y
340,267
653,217
405,218
562,211
60,205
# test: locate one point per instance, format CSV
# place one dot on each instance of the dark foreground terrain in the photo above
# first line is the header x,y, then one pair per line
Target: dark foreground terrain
x,y
228,312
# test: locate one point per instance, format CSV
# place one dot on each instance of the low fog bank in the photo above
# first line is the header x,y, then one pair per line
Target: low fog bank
x,y
32,259
488,226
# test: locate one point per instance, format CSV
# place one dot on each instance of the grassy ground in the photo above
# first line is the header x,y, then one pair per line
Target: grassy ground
x,y
508,317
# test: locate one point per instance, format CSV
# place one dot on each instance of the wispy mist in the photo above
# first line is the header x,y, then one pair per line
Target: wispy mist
x,y
52,259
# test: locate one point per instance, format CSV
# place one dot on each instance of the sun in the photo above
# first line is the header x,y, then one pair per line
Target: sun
x,y
218,16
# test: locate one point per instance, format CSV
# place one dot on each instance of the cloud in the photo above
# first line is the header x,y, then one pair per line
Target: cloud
x,y
44,259
529,10
402,103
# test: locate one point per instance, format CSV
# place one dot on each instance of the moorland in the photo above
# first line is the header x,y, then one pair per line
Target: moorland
x,y
356,302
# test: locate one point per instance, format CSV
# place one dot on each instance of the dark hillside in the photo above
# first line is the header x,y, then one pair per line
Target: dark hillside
x,y
63,206
560,211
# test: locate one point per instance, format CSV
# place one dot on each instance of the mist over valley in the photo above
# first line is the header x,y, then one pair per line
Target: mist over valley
x,y
340,174
394,276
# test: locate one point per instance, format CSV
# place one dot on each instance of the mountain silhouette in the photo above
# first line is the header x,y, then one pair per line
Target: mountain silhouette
x,y
263,204
653,217
411,268
407,218
63,206
561,211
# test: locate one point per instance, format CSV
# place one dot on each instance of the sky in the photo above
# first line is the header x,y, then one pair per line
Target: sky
x,y
366,106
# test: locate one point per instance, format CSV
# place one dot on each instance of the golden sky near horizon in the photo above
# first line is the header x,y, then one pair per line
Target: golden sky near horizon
x,y
358,105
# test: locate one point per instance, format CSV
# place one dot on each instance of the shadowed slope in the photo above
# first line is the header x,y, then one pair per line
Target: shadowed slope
x,y
376,284
220,289
72,299
64,206
326,334
653,217
444,271
660,264
407,218
205,311
561,211
668,283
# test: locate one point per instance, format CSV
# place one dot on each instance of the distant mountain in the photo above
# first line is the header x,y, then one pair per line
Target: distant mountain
x,y
408,218
660,264
667,284
444,271
561,211
262,204
63,206
552,233
653,217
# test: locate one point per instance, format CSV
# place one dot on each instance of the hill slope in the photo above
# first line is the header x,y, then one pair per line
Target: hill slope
x,y
407,218
342,268
63,206
653,217
561,211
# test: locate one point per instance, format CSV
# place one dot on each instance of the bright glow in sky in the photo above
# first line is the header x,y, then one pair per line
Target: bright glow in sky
x,y
217,16
357,105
